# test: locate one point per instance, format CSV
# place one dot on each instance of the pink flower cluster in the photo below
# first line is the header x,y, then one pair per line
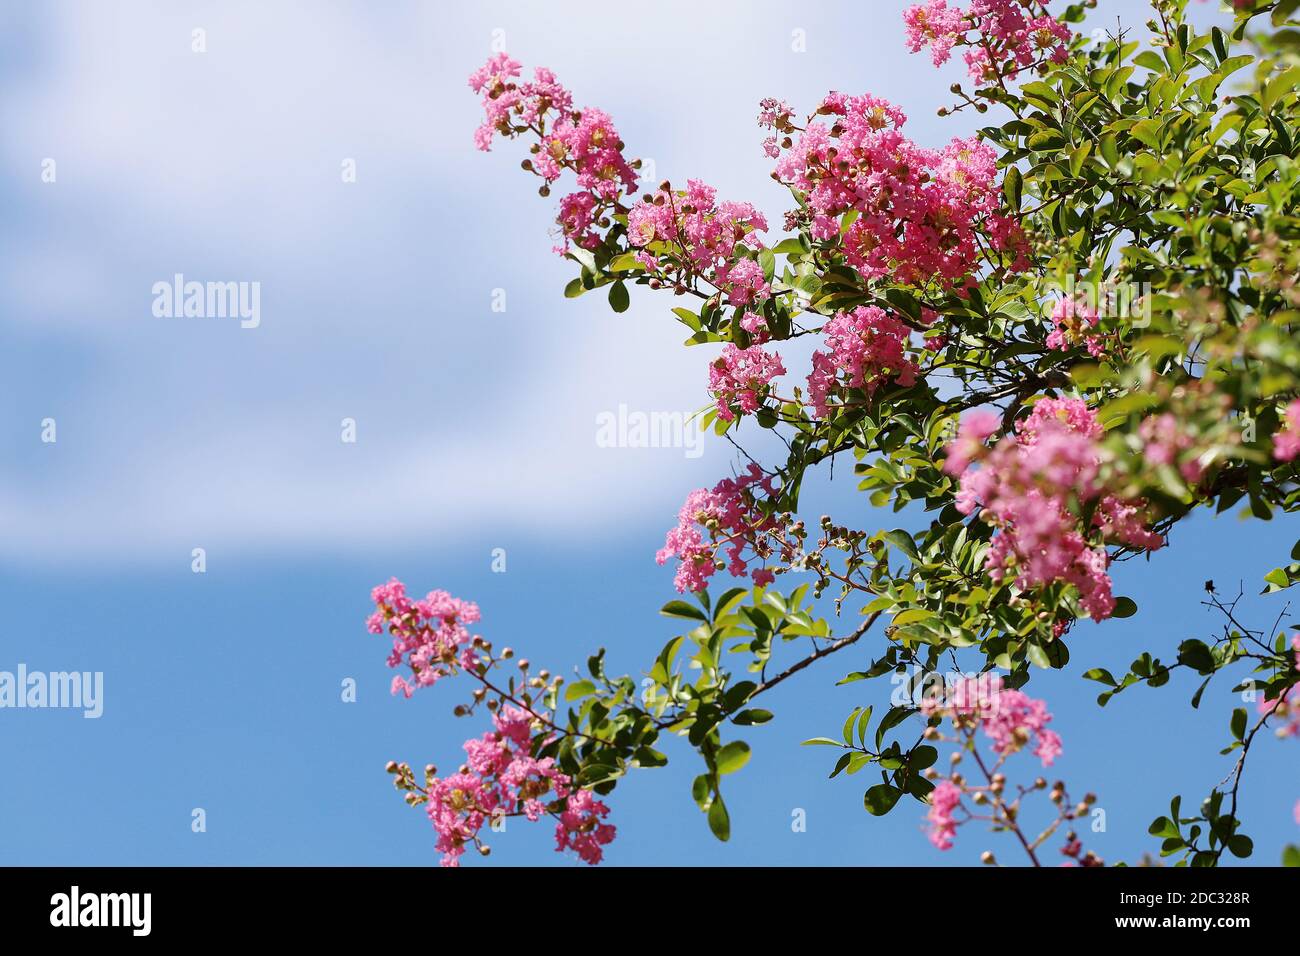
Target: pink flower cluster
x,y
1168,442
1073,318
740,378
867,347
580,828
775,115
1026,486
500,777
1287,704
1010,719
1286,445
585,143
945,798
1010,36
725,517
711,240
918,211
430,636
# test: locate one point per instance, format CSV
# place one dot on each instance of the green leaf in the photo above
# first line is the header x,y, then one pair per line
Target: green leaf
x,y
625,263
1151,60
1079,157
719,819
688,318
1125,607
922,757
1196,655
903,542
1241,846
1163,828
1220,43
700,791
1013,187
649,757
881,798
580,689
754,715
618,297
732,757
682,609
1238,723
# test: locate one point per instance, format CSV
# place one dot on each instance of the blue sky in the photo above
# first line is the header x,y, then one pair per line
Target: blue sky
x,y
475,431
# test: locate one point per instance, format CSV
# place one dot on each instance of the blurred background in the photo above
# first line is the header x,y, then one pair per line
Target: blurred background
x,y
475,431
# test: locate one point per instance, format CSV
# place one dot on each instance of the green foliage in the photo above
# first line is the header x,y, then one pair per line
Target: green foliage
x,y
1170,167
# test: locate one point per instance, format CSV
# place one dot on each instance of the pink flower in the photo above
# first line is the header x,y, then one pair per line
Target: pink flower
x,y
867,347
1167,442
936,26
501,776
430,636
1286,444
580,828
1027,487
919,212
971,435
729,517
740,378
1073,318
1286,704
945,798
709,240
584,143
1009,718
1001,26
744,282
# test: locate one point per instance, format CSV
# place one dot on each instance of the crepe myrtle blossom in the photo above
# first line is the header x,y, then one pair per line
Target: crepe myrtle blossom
x,y
867,348
502,776
1009,719
775,115
740,379
918,214
982,710
430,636
1073,318
1285,705
1002,37
1026,487
1192,430
701,238
1167,442
584,143
723,519
1286,444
